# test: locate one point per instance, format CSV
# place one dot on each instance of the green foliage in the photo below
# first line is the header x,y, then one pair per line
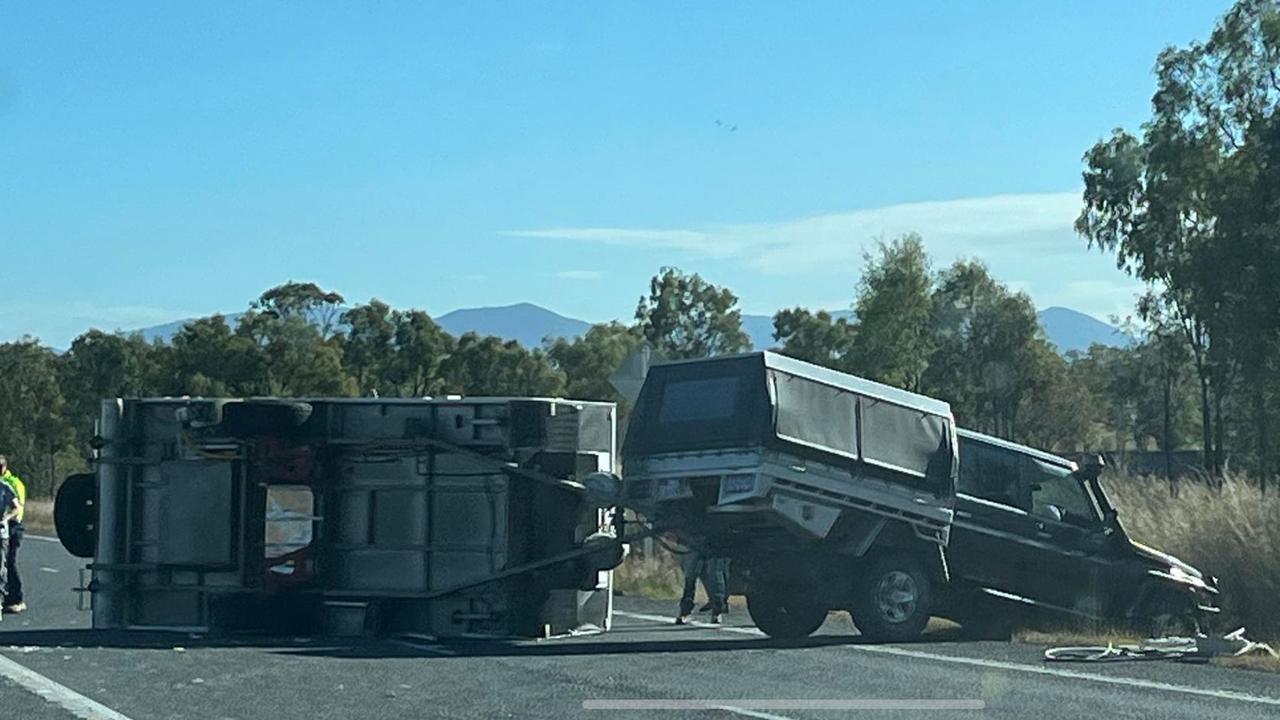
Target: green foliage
x,y
814,337
893,307
32,411
1192,206
588,361
489,366
420,347
687,317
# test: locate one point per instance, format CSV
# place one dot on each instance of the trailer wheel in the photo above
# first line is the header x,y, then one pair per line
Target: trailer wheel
x,y
893,599
785,613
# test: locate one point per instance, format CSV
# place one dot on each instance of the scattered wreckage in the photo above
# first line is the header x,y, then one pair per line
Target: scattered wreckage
x,y
345,516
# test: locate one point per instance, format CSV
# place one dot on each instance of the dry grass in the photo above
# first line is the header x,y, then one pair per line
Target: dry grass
x,y
1232,532
38,517
656,576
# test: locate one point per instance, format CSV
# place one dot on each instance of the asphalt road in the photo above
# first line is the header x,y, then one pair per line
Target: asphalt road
x,y
644,659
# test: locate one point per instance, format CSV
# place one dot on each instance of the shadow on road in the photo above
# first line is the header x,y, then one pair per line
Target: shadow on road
x,y
392,647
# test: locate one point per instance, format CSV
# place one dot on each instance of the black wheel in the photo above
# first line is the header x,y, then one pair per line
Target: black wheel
x,y
893,599
75,514
785,614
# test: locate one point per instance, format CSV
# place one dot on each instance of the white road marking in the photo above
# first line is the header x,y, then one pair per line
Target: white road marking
x,y
60,695
745,705
1001,665
753,713
46,568
45,538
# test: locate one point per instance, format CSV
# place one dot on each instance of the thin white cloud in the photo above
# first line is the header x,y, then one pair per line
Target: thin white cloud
x,y
1028,240
984,226
579,274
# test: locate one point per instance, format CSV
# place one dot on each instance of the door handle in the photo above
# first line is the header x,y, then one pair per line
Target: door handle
x,y
1044,535
964,514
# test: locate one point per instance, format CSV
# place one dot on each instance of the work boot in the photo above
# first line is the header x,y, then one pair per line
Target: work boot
x,y
715,618
682,619
16,608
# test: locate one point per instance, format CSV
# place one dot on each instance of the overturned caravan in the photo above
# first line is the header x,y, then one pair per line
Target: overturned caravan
x,y
826,490
439,516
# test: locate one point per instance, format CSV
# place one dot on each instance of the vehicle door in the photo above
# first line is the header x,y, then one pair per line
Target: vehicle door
x,y
1073,559
989,536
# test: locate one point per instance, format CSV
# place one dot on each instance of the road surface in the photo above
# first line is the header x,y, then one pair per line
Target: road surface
x,y
52,666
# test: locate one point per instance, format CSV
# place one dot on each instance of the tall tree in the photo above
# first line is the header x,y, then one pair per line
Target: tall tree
x,y
102,365
421,346
1191,207
893,307
588,361
33,422
814,337
487,365
684,316
309,301
368,347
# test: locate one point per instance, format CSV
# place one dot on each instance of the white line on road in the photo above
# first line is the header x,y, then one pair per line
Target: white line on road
x,y
60,695
752,713
1001,665
785,704
45,538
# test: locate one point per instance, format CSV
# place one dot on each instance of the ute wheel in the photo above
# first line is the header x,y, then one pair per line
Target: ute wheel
x,y
785,614
892,599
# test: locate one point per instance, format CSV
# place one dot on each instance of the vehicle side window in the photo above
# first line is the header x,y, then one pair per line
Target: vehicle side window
x,y
990,473
1056,486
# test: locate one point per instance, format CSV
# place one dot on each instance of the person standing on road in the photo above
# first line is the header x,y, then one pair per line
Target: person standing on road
x,y
713,573
9,508
13,600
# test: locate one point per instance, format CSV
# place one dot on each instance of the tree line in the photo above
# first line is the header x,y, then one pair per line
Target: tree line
x,y
958,334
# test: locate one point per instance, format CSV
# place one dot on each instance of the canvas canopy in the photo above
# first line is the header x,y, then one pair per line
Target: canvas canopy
x,y
765,399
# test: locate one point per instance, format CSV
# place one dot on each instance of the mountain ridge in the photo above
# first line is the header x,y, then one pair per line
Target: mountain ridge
x,y
529,324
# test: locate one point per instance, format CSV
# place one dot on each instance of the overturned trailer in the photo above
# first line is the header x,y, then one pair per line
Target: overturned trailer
x,y
346,516
826,490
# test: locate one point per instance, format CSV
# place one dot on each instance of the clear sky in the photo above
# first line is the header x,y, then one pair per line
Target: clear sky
x,y
163,160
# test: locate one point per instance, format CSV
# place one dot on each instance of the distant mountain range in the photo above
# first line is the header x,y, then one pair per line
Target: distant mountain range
x,y
529,324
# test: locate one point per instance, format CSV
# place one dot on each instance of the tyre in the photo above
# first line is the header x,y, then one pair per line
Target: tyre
x,y
75,514
893,599
784,613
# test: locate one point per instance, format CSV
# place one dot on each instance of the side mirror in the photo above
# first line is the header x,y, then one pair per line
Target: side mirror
x,y
1056,512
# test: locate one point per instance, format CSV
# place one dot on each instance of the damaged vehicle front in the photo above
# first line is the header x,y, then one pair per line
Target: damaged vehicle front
x,y
1035,536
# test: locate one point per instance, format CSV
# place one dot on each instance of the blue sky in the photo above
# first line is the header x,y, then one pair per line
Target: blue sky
x,y
163,160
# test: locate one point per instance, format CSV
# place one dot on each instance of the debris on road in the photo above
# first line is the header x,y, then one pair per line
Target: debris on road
x,y
1188,649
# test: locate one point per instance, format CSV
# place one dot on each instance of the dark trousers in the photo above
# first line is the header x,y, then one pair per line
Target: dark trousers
x,y
714,573
12,580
